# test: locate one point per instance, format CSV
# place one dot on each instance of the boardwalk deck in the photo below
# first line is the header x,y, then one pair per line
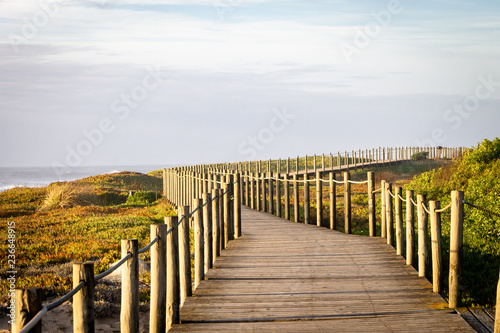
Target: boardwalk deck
x,y
287,277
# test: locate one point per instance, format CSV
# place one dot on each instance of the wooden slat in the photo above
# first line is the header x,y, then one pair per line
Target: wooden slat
x,y
290,277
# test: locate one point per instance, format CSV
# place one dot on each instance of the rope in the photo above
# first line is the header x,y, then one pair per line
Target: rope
x,y
114,268
34,320
392,195
425,208
354,182
443,209
180,221
481,209
147,247
379,190
68,296
194,211
413,202
401,198
170,230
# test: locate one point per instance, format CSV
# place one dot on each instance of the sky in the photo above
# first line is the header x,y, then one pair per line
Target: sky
x,y
162,82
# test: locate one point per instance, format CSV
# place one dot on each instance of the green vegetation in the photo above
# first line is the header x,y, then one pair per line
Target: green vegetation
x,y
76,221
477,174
421,156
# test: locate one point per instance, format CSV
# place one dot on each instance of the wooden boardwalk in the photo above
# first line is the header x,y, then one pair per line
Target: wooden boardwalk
x,y
287,277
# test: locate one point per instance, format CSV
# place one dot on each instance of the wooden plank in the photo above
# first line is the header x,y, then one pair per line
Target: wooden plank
x,y
289,277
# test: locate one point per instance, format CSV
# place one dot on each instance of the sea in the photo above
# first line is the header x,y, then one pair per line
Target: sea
x,y
43,176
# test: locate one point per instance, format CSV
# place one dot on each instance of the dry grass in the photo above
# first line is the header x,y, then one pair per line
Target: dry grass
x,y
66,195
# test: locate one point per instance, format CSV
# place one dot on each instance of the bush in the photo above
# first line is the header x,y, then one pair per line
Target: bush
x,y
143,198
65,195
421,156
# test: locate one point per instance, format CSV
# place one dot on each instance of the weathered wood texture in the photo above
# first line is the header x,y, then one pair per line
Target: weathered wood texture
x,y
287,277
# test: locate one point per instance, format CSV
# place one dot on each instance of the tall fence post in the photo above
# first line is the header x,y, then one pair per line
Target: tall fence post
x,y
410,228
423,255
399,220
383,227
270,207
227,214
129,315
389,214
456,242
237,205
207,231
258,195
437,266
252,190
222,232
278,195
157,319
215,225
173,285
263,207
497,312
199,251
28,301
286,194
347,202
184,254
333,201
371,204
319,200
295,199
307,200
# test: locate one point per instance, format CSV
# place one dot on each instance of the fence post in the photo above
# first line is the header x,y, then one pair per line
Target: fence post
x,y
263,207
497,312
231,221
399,220
270,207
247,192
207,231
295,198
383,227
423,236
286,190
278,195
199,251
371,204
222,231
227,214
215,225
252,190
410,228
333,201
319,200
184,254
173,286
258,196
307,200
129,315
437,268
389,214
347,202
157,320
28,302
456,242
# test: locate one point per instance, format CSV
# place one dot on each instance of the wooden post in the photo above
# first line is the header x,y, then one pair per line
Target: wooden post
x,y
371,204
222,231
231,195
215,225
173,285
456,242
157,319
129,315
263,207
398,203
437,269
383,228
286,190
258,188
83,301
319,200
422,236
270,207
278,195
333,201
497,312
347,202
28,302
184,254
307,201
237,205
252,190
295,199
247,191
227,214
207,231
389,214
199,251
410,228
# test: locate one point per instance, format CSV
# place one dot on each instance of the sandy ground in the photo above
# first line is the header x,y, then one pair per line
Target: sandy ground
x,y
61,320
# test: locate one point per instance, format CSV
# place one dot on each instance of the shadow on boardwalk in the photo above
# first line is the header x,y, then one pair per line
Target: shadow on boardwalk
x,y
289,277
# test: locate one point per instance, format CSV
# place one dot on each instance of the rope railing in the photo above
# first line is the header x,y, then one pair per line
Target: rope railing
x,y
484,210
147,247
401,198
425,208
444,209
114,268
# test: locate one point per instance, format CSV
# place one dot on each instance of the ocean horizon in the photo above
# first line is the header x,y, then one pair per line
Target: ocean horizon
x,y
12,177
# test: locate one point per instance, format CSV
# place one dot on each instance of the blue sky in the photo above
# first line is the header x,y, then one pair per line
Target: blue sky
x,y
198,81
